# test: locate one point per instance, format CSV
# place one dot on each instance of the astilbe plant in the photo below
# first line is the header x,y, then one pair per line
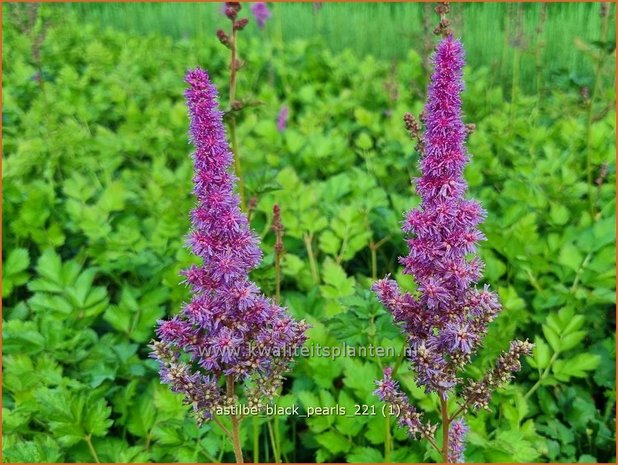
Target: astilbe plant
x,y
229,334
447,319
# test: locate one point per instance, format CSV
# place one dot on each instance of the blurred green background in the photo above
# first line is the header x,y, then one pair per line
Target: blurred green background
x,y
97,190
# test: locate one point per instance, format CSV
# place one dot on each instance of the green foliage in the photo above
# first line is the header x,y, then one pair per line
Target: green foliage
x,y
96,196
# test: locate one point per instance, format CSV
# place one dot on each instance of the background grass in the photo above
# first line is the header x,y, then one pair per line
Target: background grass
x,y
512,39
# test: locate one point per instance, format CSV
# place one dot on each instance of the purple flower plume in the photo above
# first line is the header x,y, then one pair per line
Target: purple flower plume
x,y
261,13
228,328
282,118
443,239
448,317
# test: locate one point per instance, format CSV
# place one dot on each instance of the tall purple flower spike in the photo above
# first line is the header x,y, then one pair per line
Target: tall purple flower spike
x,y
444,235
228,328
447,319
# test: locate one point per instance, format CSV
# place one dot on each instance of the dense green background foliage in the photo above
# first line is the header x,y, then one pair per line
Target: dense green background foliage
x,y
96,195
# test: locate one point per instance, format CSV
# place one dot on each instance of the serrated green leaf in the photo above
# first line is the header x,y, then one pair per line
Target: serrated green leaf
x,y
552,337
364,455
96,419
577,366
334,442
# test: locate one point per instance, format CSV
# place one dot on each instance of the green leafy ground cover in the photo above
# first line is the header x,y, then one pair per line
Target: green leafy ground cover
x,y
96,195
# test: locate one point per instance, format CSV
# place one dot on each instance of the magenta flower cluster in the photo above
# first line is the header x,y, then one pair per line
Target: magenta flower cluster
x,y
446,320
228,330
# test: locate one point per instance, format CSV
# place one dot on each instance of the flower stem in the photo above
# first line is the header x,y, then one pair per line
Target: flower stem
x,y
236,439
445,425
237,167
277,437
277,227
374,246
374,262
308,238
387,438
235,422
273,442
256,440
542,377
462,408
88,440
277,278
580,270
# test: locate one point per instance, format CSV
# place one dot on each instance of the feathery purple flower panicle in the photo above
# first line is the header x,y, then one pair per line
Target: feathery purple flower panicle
x,y
261,13
228,328
446,320
443,237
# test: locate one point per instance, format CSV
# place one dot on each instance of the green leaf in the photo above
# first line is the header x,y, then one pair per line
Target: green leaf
x,y
65,413
357,374
558,214
337,284
333,442
329,242
118,317
552,337
113,197
363,141
169,434
364,455
169,405
570,256
513,446
96,420
17,261
573,323
577,366
317,423
541,354
142,416
21,337
349,423
43,449
570,341
49,266
294,140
